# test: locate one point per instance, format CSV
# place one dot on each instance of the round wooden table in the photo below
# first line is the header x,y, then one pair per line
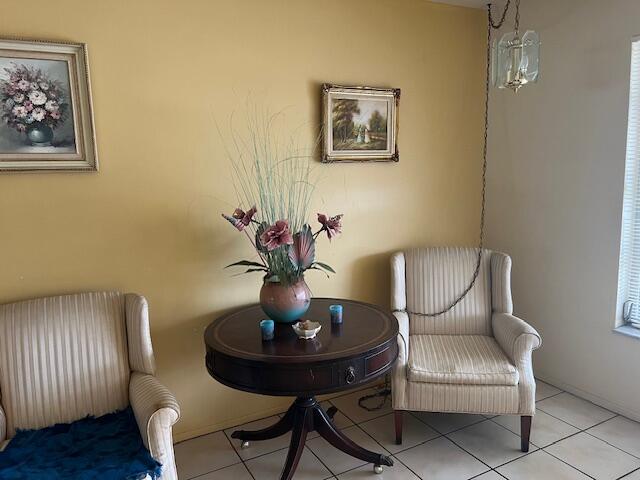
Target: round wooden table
x,y
341,357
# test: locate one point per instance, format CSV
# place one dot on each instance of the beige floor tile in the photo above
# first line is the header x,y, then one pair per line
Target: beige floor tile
x,y
348,405
620,432
491,475
632,476
204,454
397,472
413,432
440,459
593,456
235,472
489,442
574,411
545,429
340,420
258,448
448,422
544,390
269,467
540,466
338,461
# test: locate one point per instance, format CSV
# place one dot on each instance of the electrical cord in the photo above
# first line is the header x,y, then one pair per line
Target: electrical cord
x,y
385,391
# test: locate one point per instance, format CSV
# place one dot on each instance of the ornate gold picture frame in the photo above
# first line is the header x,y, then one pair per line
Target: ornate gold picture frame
x,y
360,124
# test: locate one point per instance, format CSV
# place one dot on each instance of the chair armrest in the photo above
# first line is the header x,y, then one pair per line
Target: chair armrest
x,y
515,336
156,411
518,339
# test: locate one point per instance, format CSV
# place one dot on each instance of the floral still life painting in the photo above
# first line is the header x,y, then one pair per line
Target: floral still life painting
x,y
274,179
46,121
34,103
360,123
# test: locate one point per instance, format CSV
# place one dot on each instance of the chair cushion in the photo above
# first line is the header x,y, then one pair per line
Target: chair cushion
x,y
459,359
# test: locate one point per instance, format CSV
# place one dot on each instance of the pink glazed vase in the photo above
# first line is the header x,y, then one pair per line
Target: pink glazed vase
x,y
285,303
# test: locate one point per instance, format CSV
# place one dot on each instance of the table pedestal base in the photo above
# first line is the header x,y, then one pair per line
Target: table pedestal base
x,y
306,415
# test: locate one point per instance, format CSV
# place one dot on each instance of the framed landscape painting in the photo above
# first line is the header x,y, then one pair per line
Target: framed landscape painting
x,y
46,118
360,124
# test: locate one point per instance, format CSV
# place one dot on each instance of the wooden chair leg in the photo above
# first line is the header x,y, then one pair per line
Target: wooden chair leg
x,y
525,432
397,414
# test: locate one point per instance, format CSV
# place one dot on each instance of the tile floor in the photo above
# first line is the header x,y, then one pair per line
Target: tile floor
x,y
571,439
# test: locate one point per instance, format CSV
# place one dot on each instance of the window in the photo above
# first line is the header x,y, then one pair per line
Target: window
x,y
629,272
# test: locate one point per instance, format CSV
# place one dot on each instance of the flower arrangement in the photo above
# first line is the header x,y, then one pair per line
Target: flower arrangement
x,y
30,96
275,176
284,256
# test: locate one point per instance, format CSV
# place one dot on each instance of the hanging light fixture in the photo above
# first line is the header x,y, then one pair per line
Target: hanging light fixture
x,y
515,58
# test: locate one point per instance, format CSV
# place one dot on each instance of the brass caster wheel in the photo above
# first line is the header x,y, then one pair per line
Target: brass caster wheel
x,y
377,469
244,445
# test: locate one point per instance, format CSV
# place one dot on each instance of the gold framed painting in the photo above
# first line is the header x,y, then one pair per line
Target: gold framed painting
x,y
46,117
360,124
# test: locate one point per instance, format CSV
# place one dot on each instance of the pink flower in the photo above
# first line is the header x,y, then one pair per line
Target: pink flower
x,y
244,218
39,114
19,111
332,225
239,219
55,115
21,127
276,235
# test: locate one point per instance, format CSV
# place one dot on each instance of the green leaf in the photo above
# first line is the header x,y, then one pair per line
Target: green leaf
x,y
320,270
249,270
246,263
324,266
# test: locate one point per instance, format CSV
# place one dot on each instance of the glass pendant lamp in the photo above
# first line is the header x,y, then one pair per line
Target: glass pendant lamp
x,y
515,58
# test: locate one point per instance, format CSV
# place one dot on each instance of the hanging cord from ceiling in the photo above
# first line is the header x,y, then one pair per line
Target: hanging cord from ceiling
x,y
491,25
385,390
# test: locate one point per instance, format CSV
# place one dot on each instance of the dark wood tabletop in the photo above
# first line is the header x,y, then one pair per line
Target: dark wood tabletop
x,y
364,344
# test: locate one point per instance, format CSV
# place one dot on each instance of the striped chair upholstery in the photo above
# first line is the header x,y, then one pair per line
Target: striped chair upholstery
x,y
63,358
476,358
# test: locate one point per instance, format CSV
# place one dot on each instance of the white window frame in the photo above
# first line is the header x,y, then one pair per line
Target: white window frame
x,y
628,305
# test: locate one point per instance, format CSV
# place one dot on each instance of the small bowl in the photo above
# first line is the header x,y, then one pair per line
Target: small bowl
x,y
307,329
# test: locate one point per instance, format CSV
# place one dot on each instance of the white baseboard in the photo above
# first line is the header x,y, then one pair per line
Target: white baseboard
x,y
631,413
181,436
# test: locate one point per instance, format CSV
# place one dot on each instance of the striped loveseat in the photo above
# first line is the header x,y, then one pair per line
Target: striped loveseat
x,y
476,358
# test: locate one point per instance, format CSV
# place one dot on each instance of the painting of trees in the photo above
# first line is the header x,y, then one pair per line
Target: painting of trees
x,y
377,123
343,111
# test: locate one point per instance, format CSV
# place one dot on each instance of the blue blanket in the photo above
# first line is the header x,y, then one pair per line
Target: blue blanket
x,y
107,447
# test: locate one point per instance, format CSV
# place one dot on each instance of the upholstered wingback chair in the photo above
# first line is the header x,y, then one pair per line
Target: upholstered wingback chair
x,y
63,358
476,358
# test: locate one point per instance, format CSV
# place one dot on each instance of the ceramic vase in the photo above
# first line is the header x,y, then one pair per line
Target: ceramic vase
x,y
285,303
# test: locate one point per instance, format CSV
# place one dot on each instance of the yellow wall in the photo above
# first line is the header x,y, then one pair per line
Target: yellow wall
x,y
149,221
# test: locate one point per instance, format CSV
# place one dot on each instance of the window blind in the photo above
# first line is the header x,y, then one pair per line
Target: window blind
x,y
629,272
